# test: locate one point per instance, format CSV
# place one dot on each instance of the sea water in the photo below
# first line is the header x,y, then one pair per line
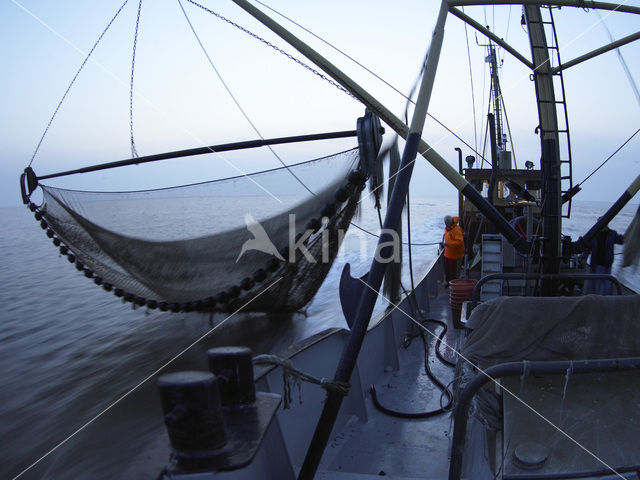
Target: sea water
x,y
75,357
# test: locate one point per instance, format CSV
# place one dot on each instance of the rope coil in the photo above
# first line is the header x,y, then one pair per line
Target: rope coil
x,y
292,375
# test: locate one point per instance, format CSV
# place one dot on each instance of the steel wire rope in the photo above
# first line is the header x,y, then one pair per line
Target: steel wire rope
x,y
276,48
486,133
473,95
235,100
506,117
506,35
413,288
611,156
484,124
73,80
134,153
244,113
365,68
493,15
504,106
623,62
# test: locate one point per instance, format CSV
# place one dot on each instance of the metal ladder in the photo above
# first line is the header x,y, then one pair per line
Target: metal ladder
x,y
491,263
561,130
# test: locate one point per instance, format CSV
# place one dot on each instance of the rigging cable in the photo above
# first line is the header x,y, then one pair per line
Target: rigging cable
x,y
134,153
375,75
64,96
244,114
413,289
242,110
403,243
611,156
415,305
513,150
486,131
493,16
485,124
625,67
506,35
473,95
279,50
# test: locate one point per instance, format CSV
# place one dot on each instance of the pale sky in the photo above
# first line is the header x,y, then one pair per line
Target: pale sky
x,y
179,102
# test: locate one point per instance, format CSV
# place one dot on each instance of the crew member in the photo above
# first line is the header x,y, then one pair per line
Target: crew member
x,y
453,243
601,249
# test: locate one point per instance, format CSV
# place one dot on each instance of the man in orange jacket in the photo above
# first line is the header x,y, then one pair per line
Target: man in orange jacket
x,y
453,244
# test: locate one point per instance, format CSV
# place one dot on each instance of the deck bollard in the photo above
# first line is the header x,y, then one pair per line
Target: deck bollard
x,y
233,367
192,415
217,422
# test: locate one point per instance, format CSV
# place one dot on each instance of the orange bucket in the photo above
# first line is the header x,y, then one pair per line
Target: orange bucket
x,y
460,290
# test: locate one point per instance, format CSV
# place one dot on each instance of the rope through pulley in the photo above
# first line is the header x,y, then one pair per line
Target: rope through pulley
x,y
369,142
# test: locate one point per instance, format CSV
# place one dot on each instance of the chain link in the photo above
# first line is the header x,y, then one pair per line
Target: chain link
x,y
134,153
276,48
64,96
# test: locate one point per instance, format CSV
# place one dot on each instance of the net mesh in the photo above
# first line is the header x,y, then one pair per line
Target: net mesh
x,y
213,245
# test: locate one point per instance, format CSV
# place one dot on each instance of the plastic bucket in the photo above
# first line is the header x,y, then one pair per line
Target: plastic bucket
x,y
460,290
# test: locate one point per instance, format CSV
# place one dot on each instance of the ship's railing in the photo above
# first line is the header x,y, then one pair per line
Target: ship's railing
x,y
475,296
461,412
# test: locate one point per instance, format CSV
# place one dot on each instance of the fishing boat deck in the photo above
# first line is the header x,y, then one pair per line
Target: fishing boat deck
x,y
594,423
401,447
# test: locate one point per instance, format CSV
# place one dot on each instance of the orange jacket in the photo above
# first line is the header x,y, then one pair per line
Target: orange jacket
x,y
454,238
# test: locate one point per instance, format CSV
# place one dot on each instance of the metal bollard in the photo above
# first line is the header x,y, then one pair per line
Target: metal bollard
x,y
233,367
192,414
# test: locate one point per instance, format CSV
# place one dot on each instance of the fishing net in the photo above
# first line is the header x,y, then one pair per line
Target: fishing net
x,y
261,242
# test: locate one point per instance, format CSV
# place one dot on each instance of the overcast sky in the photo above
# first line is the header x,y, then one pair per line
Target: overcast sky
x,y
179,101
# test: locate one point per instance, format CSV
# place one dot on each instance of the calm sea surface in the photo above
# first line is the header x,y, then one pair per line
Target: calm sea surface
x,y
69,350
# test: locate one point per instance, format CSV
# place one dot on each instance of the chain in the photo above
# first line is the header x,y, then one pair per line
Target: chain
x,y
276,48
84,62
134,153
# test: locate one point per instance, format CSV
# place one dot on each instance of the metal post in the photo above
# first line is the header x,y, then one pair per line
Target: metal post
x,y
376,273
